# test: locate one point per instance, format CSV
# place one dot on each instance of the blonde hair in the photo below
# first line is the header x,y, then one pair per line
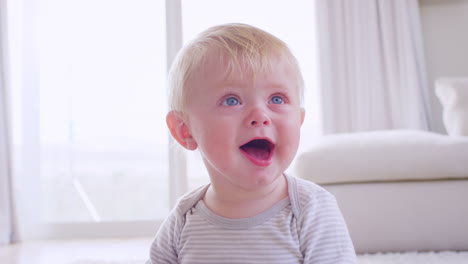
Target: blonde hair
x,y
239,44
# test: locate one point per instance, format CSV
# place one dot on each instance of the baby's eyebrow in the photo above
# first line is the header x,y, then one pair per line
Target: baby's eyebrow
x,y
280,87
231,87
234,83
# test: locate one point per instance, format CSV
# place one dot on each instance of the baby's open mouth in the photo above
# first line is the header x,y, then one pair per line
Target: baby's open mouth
x,y
259,149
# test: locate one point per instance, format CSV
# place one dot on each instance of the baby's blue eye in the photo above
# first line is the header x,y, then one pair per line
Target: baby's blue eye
x,y
231,101
277,100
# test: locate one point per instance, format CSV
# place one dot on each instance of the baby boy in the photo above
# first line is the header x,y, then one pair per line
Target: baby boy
x,y
236,95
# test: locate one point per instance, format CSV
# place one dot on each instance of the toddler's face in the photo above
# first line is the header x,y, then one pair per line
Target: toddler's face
x,y
247,132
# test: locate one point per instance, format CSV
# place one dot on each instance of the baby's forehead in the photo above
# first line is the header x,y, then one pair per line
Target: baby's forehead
x,y
230,73
221,65
234,68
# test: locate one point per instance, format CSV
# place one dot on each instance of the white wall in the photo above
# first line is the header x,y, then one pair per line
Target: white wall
x,y
445,37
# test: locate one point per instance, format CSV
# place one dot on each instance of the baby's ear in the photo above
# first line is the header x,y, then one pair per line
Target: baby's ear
x,y
180,130
302,115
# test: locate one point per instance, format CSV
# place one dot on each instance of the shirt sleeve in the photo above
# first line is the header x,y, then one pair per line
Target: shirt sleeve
x,y
324,236
165,246
163,249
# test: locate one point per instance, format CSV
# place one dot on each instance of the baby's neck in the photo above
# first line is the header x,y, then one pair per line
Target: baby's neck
x,y
245,204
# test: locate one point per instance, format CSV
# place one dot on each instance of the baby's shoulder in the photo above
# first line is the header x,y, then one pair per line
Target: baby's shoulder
x,y
307,188
306,195
188,201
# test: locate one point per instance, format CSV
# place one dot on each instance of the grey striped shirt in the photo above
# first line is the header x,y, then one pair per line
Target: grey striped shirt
x,y
305,227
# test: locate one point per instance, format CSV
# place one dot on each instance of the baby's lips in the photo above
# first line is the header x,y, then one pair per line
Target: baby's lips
x,y
259,151
259,140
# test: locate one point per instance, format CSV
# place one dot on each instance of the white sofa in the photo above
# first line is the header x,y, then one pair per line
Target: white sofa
x,y
400,190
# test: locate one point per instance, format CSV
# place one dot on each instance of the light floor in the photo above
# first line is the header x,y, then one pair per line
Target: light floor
x,y
135,251
128,251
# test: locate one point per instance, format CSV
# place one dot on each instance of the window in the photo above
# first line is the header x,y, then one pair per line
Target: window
x,y
90,129
89,105
103,145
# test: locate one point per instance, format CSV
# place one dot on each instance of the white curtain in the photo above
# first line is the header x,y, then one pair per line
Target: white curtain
x,y
6,201
372,66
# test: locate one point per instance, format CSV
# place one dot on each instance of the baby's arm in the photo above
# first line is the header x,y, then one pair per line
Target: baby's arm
x,y
324,236
163,249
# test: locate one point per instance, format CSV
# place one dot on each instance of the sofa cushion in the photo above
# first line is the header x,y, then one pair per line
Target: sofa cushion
x,y
453,95
393,155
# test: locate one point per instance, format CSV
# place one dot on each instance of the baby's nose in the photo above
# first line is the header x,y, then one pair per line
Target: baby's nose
x,y
254,122
258,118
